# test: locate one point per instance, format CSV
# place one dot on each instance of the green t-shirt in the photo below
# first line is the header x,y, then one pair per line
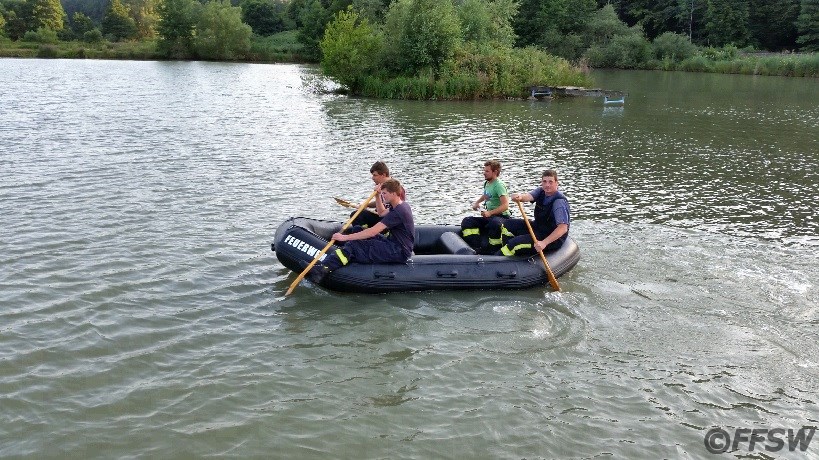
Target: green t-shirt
x,y
493,191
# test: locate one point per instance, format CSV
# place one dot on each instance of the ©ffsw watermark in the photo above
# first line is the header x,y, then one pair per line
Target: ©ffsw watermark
x,y
718,440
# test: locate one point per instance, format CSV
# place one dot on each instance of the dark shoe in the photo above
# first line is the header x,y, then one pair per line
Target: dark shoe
x,y
318,273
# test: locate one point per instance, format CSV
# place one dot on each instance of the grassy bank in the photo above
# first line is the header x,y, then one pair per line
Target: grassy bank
x,y
689,58
485,75
79,50
786,65
282,47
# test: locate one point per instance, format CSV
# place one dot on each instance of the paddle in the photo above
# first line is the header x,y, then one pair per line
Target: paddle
x,y
343,202
552,279
330,243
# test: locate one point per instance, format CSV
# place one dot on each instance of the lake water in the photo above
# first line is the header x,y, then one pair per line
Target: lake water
x,y
143,313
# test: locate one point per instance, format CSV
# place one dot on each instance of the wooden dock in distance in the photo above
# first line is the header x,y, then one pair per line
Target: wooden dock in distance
x,y
537,92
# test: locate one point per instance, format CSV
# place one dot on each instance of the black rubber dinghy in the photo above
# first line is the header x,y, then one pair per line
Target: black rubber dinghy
x,y
441,260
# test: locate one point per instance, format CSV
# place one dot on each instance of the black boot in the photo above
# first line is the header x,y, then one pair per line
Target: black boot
x,y
318,273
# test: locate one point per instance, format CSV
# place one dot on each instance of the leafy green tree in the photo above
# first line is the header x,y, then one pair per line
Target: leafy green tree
x,y
2,24
94,9
393,27
555,25
48,14
486,21
673,47
80,24
727,22
118,23
41,35
15,24
265,17
772,23
15,12
92,36
177,19
350,49
604,26
292,13
475,20
313,20
612,43
430,34
502,13
656,16
220,32
691,19
373,10
627,51
808,26
145,16
527,22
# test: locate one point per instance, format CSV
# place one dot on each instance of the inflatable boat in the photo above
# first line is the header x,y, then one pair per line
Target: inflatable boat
x,y
441,260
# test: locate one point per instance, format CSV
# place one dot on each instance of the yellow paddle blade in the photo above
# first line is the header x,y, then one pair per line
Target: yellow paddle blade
x,y
344,202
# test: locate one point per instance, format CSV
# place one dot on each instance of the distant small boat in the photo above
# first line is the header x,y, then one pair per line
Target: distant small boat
x,y
606,100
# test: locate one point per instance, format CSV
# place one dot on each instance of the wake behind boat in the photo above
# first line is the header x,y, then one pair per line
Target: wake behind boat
x,y
441,261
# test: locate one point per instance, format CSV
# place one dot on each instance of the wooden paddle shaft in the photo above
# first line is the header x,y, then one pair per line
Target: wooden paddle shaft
x,y
549,273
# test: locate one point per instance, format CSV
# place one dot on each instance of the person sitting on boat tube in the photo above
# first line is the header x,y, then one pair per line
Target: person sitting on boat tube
x,y
380,174
551,224
490,222
369,246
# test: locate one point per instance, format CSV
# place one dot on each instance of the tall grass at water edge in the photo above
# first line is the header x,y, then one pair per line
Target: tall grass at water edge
x,y
484,74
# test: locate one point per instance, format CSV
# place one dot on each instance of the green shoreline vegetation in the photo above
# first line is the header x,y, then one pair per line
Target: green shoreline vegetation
x,y
431,49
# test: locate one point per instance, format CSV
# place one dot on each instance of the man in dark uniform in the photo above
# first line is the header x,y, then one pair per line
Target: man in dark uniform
x,y
380,173
369,246
551,224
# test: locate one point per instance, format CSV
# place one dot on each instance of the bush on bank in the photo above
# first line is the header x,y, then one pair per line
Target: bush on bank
x,y
487,74
367,61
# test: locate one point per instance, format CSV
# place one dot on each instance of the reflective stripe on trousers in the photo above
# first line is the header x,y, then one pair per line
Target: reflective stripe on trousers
x,y
511,252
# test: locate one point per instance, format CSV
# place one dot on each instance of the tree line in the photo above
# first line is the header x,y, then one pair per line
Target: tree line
x,y
598,33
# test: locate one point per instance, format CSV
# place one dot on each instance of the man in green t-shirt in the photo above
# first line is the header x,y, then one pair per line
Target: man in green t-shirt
x,y
485,232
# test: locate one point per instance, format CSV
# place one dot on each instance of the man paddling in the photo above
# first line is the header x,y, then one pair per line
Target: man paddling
x,y
380,174
369,246
551,224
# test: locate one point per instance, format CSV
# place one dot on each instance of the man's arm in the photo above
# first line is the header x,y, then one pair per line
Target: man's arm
x,y
504,205
478,202
556,233
522,197
362,235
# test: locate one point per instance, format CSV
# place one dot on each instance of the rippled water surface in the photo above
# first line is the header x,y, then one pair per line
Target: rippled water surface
x,y
143,314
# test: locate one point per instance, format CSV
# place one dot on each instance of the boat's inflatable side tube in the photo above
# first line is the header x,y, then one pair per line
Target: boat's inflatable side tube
x,y
442,260
452,243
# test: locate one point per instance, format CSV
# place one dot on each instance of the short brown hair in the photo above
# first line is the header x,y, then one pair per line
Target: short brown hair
x,y
550,173
381,168
392,186
494,165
